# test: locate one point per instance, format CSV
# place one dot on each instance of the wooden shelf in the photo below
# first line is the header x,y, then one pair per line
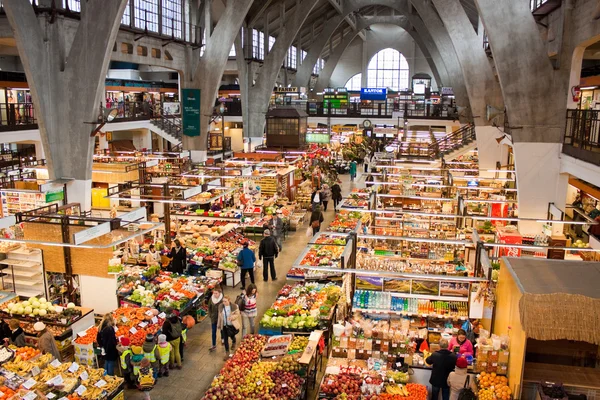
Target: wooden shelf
x,y
20,263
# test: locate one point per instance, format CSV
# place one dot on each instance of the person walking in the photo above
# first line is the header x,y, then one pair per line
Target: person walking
x,y
246,260
178,257
17,335
442,362
172,330
108,342
367,162
268,252
164,349
315,199
325,196
336,195
250,312
213,311
228,324
47,344
457,380
276,227
316,219
352,170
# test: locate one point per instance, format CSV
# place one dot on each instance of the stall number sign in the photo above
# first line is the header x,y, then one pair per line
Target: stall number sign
x,y
373,94
191,112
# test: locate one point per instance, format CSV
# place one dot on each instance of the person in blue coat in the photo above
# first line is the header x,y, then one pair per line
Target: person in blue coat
x,y
246,260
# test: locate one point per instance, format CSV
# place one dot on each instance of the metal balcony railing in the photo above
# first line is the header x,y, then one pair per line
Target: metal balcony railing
x,y
582,135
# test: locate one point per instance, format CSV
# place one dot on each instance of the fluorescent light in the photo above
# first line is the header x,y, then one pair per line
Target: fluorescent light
x,y
588,87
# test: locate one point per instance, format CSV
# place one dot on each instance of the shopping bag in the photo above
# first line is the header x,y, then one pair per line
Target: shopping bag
x,y
309,232
258,264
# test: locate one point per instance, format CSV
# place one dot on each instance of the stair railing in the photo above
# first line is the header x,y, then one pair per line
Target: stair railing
x,y
454,141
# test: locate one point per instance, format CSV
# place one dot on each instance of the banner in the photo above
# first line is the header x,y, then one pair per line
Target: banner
x,y
373,94
191,112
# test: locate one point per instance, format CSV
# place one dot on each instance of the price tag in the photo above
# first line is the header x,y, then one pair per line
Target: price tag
x,y
330,382
494,364
403,345
56,381
58,309
284,385
56,363
80,390
35,371
143,324
100,383
133,330
84,376
394,345
258,383
63,398
125,319
149,313
82,334
30,396
162,315
398,364
28,384
154,320
50,395
63,321
73,367
378,341
1,394
9,375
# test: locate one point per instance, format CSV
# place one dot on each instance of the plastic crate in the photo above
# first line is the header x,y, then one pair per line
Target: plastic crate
x,y
556,385
269,331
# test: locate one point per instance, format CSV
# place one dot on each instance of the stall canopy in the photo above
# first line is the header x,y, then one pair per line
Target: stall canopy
x,y
560,299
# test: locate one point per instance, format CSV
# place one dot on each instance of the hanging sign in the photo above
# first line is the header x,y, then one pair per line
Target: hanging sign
x,y
134,215
373,93
91,233
55,196
191,112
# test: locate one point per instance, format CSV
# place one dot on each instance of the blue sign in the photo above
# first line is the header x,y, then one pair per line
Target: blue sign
x,y
373,94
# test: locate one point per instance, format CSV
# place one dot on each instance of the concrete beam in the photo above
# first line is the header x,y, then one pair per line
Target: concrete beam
x,y
440,36
66,72
207,74
347,18
260,92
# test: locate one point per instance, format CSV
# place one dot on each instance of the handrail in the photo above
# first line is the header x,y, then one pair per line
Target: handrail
x,y
453,141
170,124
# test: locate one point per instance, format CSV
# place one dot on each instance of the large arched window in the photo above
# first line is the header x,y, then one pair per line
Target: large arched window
x,y
354,83
388,69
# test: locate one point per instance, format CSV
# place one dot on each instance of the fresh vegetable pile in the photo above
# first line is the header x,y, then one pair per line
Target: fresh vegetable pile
x,y
41,309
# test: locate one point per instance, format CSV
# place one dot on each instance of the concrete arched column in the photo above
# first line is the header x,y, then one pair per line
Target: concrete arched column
x,y
429,44
260,92
205,73
535,97
66,64
442,41
481,84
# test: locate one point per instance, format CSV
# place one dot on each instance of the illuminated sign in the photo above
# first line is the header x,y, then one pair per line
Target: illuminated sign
x,y
373,94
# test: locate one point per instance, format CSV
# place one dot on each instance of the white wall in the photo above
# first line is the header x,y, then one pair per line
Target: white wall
x,y
378,38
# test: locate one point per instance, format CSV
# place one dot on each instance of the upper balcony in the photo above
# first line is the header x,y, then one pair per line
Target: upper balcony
x,y
582,135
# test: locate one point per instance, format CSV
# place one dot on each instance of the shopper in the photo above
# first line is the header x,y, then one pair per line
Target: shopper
x,y
276,227
460,344
125,354
153,257
246,260
316,219
108,342
442,362
352,170
229,323
164,349
151,353
336,195
17,335
137,355
367,162
178,257
4,330
172,330
250,311
145,379
325,196
46,342
268,252
213,312
457,380
315,199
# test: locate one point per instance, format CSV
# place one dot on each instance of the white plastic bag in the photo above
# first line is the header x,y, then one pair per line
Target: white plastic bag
x,y
309,232
258,264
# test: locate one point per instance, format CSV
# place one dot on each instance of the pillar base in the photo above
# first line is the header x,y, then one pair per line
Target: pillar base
x,y
490,152
80,191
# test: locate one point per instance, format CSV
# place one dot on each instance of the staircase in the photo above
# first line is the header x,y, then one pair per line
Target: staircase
x,y
169,127
461,139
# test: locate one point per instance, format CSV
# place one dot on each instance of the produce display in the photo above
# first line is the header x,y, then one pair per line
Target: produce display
x,y
136,323
492,386
346,221
245,376
212,252
211,228
323,255
34,309
342,386
302,307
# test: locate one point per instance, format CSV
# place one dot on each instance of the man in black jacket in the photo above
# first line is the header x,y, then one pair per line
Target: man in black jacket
x,y
442,362
178,257
268,252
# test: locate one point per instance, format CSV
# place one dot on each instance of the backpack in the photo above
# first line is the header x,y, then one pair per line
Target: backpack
x,y
240,302
466,393
146,378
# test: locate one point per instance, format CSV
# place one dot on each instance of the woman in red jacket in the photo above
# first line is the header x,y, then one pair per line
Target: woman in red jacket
x,y
464,345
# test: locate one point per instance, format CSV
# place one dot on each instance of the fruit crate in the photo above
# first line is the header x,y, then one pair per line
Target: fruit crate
x,y
556,387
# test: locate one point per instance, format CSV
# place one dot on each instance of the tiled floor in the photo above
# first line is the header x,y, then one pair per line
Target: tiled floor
x,y
200,366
